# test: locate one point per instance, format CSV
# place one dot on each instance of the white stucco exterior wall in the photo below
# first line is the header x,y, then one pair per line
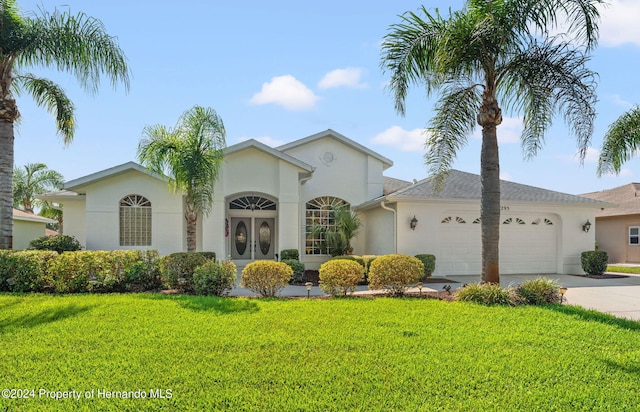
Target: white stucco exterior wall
x,y
103,212
25,231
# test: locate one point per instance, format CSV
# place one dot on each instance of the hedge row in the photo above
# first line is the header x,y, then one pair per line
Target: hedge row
x,y
98,271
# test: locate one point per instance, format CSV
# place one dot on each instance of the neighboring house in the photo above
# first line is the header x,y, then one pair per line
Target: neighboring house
x,y
26,227
618,229
267,199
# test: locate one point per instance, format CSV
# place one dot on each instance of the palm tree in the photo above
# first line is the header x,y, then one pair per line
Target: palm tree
x,y
32,180
75,44
53,211
490,52
191,155
621,142
336,239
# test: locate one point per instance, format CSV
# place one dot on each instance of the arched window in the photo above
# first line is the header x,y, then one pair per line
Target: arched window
x,y
319,214
135,221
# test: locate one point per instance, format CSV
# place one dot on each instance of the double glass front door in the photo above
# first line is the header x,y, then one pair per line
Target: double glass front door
x,y
252,238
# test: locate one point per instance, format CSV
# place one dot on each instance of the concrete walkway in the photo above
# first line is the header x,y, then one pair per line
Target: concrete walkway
x,y
619,297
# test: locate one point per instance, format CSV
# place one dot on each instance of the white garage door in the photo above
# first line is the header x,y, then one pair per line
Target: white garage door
x,y
528,244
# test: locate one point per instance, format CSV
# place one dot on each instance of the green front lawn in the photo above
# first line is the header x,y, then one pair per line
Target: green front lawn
x,y
209,354
624,269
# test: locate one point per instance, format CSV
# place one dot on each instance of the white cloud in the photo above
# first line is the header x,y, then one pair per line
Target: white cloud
x,y
592,155
506,176
268,140
624,172
509,130
619,23
619,101
405,140
286,91
349,77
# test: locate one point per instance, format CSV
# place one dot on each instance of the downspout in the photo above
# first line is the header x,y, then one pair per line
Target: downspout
x,y
395,231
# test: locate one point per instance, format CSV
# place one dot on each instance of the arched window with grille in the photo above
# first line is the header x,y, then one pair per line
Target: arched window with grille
x,y
319,214
135,221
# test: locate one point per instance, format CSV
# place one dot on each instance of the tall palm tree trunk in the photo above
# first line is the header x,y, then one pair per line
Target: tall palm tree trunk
x,y
6,184
191,216
489,118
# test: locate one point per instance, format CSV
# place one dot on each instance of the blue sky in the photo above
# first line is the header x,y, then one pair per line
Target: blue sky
x,y
280,70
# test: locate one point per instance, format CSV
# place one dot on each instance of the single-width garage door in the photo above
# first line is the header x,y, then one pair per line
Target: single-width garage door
x,y
528,244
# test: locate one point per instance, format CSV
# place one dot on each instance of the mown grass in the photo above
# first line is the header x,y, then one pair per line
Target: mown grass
x,y
317,355
624,269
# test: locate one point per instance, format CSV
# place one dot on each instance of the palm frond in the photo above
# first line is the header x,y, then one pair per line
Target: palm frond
x,y
77,44
190,154
454,120
409,53
549,78
621,142
52,97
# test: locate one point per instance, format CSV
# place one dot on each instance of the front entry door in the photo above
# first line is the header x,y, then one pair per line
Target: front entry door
x,y
252,238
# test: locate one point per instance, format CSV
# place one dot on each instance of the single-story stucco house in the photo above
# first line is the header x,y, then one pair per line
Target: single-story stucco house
x,y
267,198
26,227
618,228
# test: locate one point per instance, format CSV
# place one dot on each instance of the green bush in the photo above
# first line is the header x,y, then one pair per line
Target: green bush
x,y
266,277
339,277
429,262
25,271
395,273
71,272
541,291
177,269
354,258
208,255
487,294
59,243
298,270
214,278
92,270
594,262
144,274
289,254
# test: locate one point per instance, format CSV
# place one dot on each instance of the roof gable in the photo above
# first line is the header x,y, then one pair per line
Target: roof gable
x,y
251,143
341,138
75,184
30,217
466,186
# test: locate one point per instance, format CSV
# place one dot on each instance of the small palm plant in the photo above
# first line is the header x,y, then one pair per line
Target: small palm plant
x,y
337,237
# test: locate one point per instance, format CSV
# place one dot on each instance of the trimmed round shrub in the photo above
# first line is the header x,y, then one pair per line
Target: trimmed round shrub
x,y
214,278
487,294
266,277
594,262
429,262
339,277
177,269
395,273
298,270
287,254
59,243
541,291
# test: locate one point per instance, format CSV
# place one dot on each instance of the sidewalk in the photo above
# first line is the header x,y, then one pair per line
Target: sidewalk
x,y
619,297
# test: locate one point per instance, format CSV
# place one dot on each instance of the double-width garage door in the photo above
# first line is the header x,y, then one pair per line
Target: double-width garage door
x,y
528,244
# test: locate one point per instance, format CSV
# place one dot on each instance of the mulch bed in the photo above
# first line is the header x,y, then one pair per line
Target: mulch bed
x,y
313,276
603,276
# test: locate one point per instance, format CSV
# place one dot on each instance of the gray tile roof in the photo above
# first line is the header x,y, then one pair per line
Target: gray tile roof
x,y
392,184
463,185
